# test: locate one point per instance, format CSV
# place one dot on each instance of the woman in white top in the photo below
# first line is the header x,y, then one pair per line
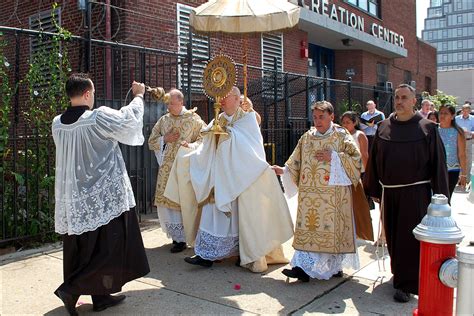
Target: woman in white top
x,y
350,121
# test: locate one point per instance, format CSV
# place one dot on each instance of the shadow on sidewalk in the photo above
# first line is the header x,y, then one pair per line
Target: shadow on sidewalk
x,y
361,296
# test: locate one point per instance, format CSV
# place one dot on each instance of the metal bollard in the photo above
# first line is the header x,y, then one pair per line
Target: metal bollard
x,y
465,293
438,235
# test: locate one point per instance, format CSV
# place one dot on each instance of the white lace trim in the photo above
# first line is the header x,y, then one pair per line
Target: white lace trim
x,y
175,232
88,210
323,266
212,248
337,175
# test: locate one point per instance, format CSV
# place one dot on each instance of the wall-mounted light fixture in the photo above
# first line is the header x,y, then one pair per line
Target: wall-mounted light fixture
x,y
347,41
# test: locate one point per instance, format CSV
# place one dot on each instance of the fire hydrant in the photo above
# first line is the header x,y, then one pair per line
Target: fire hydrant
x,y
459,272
438,235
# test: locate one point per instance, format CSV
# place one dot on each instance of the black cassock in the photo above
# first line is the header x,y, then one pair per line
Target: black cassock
x,y
405,153
100,262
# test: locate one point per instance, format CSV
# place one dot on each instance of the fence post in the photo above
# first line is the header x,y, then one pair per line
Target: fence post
x,y
16,114
287,100
88,36
189,55
275,91
16,109
349,87
325,83
308,103
142,66
287,116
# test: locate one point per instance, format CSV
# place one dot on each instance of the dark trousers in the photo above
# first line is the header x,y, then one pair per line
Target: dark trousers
x,y
100,262
453,177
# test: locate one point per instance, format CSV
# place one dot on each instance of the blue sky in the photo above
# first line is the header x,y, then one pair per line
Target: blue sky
x,y
421,8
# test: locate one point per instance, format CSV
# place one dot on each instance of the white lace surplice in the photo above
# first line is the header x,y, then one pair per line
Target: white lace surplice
x,y
92,185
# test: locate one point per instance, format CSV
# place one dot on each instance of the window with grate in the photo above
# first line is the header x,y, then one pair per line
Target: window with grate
x,y
407,76
46,21
428,84
43,22
200,50
382,74
272,54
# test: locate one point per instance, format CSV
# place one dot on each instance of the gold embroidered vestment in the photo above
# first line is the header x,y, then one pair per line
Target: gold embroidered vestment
x,y
324,220
189,125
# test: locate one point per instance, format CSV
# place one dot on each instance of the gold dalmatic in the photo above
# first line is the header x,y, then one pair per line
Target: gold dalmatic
x,y
324,220
189,126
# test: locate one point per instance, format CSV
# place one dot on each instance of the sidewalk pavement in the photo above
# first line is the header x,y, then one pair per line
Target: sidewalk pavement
x,y
28,279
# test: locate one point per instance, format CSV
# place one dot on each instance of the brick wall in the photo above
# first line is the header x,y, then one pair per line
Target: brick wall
x,y
398,16
154,25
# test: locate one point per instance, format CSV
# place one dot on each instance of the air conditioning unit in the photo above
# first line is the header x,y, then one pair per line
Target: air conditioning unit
x,y
388,85
413,83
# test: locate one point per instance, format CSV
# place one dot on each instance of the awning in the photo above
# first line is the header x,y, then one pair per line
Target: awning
x,y
326,32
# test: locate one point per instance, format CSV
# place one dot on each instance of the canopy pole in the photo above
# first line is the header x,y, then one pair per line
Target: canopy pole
x,y
245,40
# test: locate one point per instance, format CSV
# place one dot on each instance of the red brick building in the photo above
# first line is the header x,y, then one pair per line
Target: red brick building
x,y
371,41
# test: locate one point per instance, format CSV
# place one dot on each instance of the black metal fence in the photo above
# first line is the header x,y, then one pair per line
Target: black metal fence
x,y
27,170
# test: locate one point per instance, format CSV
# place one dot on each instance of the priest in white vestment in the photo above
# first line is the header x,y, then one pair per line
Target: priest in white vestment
x,y
242,208
321,170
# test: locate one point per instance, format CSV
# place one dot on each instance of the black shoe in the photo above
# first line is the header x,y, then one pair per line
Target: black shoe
x,y
296,273
401,296
237,263
340,274
178,247
198,261
101,302
69,301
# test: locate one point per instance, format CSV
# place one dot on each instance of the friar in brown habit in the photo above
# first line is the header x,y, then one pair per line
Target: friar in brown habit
x,y
406,166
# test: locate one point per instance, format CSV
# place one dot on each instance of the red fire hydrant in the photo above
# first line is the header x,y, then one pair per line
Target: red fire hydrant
x,y
438,235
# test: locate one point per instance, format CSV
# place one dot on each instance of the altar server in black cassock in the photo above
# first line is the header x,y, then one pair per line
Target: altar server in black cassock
x,y
102,243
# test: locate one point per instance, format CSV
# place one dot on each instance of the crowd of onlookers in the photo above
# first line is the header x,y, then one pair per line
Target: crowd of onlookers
x,y
455,126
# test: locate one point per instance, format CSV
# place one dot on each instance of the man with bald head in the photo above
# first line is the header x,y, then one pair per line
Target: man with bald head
x,y
179,127
244,212
368,126
407,165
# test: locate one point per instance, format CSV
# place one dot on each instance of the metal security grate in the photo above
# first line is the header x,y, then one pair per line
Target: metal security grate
x,y
43,22
46,21
272,59
200,50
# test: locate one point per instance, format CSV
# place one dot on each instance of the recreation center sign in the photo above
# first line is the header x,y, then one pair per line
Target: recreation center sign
x,y
343,15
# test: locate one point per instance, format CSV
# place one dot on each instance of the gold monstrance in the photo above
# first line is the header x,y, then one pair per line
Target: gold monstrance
x,y
219,78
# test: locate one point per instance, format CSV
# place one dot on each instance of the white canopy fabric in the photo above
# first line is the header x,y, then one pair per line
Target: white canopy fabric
x,y
244,16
